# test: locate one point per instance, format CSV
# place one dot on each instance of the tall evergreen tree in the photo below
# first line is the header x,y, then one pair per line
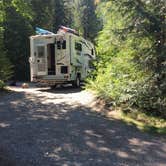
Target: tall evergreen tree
x,y
85,18
77,15
5,66
43,13
17,29
69,15
51,14
89,20
59,14
132,49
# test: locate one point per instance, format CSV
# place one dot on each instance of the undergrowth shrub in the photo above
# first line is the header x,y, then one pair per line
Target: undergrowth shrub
x,y
131,61
2,85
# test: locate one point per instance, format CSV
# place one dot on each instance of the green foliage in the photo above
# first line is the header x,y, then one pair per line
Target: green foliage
x,y
89,19
17,29
63,14
43,14
23,7
5,66
2,85
78,14
85,18
131,54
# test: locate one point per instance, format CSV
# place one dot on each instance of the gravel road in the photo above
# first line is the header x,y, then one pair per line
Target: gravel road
x,y
43,127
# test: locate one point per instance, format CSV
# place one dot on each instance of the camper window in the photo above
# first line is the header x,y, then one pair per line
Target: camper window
x,y
61,45
40,51
64,44
64,69
78,46
58,45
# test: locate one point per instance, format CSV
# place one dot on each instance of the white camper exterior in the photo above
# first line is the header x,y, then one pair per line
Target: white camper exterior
x,y
60,58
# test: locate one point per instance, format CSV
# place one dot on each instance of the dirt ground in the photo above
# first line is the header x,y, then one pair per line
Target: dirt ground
x,y
44,127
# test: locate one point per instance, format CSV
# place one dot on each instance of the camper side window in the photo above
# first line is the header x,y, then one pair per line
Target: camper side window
x,y
58,45
64,44
78,46
40,51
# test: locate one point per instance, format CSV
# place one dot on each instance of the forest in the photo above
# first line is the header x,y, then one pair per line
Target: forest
x,y
130,39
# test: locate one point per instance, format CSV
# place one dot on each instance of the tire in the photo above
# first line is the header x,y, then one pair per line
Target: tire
x,y
77,82
53,86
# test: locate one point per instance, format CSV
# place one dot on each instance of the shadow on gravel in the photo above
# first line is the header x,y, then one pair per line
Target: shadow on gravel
x,y
64,90
37,134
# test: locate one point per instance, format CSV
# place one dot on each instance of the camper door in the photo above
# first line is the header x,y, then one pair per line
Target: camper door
x,y
41,60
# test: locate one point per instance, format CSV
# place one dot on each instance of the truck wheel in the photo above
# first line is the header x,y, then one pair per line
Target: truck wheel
x,y
53,86
77,83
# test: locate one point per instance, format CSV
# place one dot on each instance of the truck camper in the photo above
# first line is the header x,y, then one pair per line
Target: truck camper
x,y
60,58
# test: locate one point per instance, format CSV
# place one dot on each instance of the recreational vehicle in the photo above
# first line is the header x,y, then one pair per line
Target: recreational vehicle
x,y
60,58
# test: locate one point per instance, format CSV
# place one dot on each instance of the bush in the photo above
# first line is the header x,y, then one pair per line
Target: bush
x,y
131,69
2,85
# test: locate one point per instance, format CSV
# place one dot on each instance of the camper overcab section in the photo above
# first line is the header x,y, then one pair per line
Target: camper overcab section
x,y
60,58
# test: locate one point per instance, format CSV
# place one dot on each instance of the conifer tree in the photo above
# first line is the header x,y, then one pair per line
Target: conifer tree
x,y
17,29
89,20
59,14
5,66
85,18
43,14
132,49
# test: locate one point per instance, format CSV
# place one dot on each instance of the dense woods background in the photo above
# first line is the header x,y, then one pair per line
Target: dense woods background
x,y
130,37
20,17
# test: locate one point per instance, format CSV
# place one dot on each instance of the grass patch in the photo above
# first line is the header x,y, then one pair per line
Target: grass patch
x,y
144,122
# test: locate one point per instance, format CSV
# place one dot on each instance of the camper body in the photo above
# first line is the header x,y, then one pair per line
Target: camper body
x,y
60,58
